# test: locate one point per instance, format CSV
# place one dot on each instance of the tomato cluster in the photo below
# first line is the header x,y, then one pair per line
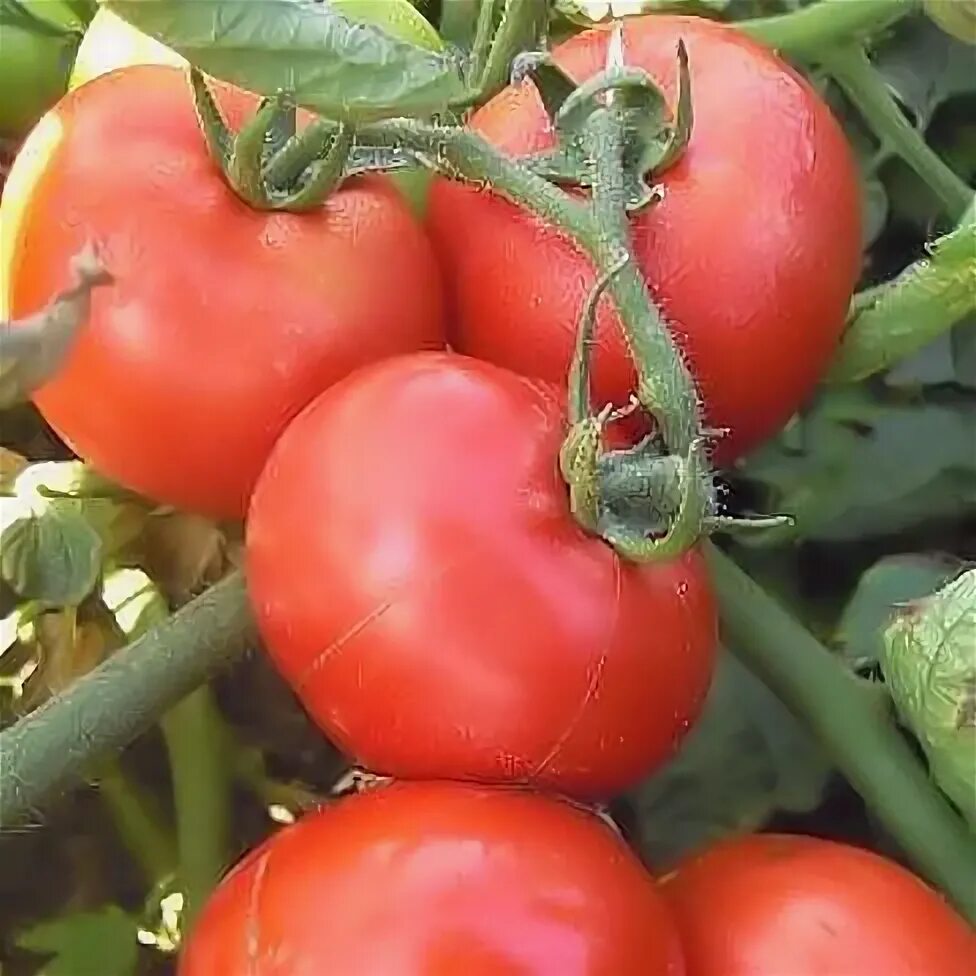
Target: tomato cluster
x,y
414,565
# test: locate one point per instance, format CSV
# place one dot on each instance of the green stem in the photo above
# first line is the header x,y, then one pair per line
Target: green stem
x,y
853,722
898,318
810,31
138,824
665,385
851,68
249,770
194,735
47,752
458,153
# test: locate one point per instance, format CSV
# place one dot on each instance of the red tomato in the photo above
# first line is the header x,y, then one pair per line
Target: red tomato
x,y
752,255
421,583
224,321
772,905
433,879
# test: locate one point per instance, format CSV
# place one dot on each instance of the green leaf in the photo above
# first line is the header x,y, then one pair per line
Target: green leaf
x,y
58,521
346,71
102,943
929,663
53,555
889,582
924,67
745,759
54,17
856,467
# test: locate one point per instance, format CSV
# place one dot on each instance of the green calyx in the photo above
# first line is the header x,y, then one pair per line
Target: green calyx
x,y
654,136
270,165
646,504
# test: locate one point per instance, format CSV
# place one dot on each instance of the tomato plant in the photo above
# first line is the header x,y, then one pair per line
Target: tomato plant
x,y
494,593
445,567
771,904
752,253
224,321
438,879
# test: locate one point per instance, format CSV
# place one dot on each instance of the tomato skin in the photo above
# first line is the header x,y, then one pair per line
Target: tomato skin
x,y
752,255
420,582
224,321
433,879
770,904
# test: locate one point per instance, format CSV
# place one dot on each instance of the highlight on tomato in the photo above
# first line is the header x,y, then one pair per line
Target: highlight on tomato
x,y
420,582
768,905
752,254
224,321
438,879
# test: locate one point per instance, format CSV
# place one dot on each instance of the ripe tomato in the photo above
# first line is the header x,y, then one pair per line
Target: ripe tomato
x,y
752,255
769,905
224,321
432,879
422,585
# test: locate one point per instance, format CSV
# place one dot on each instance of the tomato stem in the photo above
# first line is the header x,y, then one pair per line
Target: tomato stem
x,y
853,721
927,299
145,836
195,740
813,30
52,748
851,68
601,230
664,384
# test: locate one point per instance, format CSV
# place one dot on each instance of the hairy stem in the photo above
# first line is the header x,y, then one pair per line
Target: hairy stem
x,y
811,31
851,68
601,231
48,751
897,319
664,383
854,724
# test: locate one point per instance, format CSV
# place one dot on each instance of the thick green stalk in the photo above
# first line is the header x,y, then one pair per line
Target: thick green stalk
x,y
138,824
48,751
897,319
853,722
811,31
201,774
851,68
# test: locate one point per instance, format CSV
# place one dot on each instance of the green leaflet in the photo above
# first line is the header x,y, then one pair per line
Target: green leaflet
x,y
856,466
103,942
890,582
897,319
343,70
929,662
58,521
